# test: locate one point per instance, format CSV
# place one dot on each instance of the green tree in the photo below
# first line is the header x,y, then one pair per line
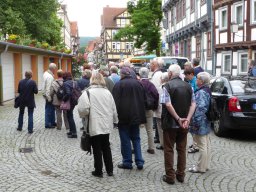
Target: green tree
x,y
36,18
144,30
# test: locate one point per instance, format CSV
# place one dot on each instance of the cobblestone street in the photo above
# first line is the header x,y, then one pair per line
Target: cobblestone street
x,y
58,164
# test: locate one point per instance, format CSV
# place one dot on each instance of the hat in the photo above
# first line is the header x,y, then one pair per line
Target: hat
x,y
125,71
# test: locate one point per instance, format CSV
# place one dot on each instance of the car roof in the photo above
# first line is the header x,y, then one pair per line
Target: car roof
x,y
172,57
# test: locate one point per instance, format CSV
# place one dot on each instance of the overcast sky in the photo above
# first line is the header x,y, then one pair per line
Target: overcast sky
x,y
87,13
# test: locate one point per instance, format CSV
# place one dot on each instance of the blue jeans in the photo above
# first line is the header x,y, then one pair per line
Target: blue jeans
x,y
49,114
71,122
127,134
30,118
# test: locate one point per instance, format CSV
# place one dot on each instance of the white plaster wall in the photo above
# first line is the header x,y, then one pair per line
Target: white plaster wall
x,y
217,41
193,44
238,36
7,62
204,10
26,63
40,72
209,65
223,38
218,59
253,34
234,72
234,61
216,17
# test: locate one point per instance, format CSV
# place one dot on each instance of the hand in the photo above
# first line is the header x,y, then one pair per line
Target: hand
x,y
181,122
186,123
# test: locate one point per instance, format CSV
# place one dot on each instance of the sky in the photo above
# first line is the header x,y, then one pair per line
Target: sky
x,y
87,13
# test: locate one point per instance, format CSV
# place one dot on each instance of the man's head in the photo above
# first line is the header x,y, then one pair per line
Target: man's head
x,y
104,71
174,71
28,74
203,78
143,72
154,65
164,77
189,73
52,67
195,62
59,73
125,72
187,65
113,69
87,73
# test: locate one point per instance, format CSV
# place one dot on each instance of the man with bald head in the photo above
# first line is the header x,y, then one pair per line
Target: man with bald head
x,y
48,78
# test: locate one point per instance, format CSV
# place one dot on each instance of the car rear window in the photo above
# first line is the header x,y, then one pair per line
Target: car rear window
x,y
239,86
170,61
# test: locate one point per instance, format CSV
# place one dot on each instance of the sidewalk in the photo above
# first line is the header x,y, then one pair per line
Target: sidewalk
x,y
56,163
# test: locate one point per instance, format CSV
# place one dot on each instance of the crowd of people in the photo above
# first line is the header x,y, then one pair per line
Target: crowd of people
x,y
173,103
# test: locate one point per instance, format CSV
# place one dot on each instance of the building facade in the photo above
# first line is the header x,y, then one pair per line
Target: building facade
x,y
235,39
75,39
188,30
112,20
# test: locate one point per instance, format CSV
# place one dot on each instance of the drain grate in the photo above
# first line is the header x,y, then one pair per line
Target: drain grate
x,y
26,150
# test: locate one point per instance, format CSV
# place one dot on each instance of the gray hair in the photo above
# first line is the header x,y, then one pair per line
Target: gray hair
x,y
188,64
127,64
52,66
175,70
113,69
28,74
165,77
143,72
204,77
195,61
158,61
87,73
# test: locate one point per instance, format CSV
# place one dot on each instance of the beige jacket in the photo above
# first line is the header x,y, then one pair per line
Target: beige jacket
x,y
53,90
102,106
48,78
156,80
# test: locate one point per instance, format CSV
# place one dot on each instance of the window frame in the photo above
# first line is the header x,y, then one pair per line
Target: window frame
x,y
220,18
235,13
192,6
198,47
253,12
223,63
209,44
113,45
239,64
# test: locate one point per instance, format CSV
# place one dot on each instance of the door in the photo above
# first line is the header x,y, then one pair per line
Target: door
x,y
40,72
26,64
8,76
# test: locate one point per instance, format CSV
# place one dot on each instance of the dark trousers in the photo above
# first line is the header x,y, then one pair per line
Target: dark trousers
x,y
71,122
30,118
49,114
172,136
155,127
101,147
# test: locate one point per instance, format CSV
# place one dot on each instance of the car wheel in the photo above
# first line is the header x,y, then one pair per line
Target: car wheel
x,y
218,128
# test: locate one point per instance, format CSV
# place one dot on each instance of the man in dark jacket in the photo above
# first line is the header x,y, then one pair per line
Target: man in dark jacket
x,y
177,110
129,95
196,66
84,82
26,89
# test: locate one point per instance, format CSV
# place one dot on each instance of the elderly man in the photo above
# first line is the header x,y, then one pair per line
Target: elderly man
x,y
129,94
48,78
178,108
155,67
197,67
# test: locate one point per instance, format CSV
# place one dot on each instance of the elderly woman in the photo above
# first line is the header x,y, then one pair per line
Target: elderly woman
x,y
200,126
102,116
149,88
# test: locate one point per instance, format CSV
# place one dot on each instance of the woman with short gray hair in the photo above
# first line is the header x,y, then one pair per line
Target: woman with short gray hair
x,y
200,126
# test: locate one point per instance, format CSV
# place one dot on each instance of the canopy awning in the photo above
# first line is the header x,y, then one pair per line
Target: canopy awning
x,y
144,57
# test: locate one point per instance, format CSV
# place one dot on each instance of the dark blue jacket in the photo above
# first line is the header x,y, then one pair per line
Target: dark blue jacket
x,y
27,88
129,96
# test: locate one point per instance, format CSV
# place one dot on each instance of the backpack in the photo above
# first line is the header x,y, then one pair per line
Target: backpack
x,y
213,113
75,94
60,92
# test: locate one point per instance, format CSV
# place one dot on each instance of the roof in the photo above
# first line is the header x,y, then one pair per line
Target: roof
x,y
109,14
73,28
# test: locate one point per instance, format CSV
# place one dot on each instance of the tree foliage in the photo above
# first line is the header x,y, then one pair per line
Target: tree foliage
x,y
144,30
36,18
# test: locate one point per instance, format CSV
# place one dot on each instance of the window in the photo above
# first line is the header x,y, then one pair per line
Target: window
x,y
129,45
198,47
123,22
209,45
183,8
113,33
253,11
243,60
192,6
223,18
226,63
181,48
238,14
113,45
118,45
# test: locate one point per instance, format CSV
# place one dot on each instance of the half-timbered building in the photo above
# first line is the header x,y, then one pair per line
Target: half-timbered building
x,y
188,29
235,35
112,20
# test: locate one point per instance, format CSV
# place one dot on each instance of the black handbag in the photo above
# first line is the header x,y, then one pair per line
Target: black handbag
x,y
17,102
86,144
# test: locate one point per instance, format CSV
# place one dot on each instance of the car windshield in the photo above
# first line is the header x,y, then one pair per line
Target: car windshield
x,y
169,61
239,86
137,64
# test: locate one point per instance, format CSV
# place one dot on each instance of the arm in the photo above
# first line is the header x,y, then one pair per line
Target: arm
x,y
35,88
47,90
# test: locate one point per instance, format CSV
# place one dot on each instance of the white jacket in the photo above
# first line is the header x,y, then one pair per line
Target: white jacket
x,y
48,78
102,106
156,80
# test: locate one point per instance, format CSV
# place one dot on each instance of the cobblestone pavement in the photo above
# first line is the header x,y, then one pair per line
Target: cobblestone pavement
x,y
58,164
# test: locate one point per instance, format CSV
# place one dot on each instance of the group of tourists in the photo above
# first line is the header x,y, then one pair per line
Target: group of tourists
x,y
114,96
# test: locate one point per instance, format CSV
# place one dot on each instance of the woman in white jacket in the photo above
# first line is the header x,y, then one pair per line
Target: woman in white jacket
x,y
102,117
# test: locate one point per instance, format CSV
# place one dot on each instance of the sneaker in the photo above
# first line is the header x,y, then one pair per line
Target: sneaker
x,y
122,166
95,174
72,136
19,129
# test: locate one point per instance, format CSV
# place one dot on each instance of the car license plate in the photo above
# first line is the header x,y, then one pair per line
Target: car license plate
x,y
254,106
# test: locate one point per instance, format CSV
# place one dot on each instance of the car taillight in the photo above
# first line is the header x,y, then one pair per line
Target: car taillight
x,y
233,105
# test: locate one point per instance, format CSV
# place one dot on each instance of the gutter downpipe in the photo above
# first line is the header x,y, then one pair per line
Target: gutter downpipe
x,y
1,74
212,38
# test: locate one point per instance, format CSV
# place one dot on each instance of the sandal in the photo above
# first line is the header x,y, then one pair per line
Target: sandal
x,y
193,150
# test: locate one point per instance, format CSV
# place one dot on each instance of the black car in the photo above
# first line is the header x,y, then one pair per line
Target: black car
x,y
236,101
